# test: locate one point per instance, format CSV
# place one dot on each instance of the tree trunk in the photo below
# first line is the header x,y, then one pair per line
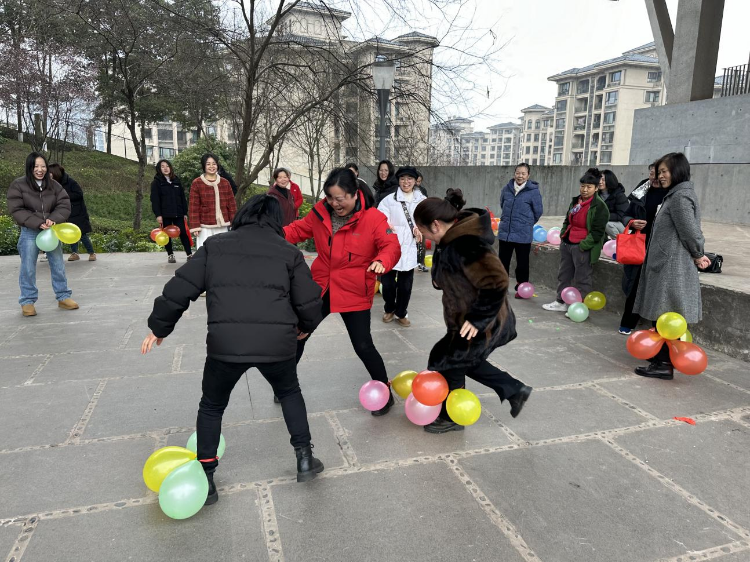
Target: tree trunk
x,y
142,161
109,133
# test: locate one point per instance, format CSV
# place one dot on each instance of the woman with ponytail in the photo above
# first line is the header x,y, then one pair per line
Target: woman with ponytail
x,y
475,304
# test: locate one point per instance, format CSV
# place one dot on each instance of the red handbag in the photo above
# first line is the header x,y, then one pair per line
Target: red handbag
x,y
631,248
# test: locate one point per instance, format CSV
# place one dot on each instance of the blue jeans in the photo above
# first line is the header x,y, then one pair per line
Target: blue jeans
x,y
86,244
28,251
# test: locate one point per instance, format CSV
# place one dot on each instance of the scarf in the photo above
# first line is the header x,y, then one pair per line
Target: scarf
x,y
217,199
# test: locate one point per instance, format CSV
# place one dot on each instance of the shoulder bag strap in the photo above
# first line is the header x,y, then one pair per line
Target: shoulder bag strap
x,y
408,217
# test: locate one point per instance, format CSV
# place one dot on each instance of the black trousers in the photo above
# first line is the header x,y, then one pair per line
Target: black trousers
x,y
187,242
485,373
522,259
220,377
630,319
397,287
358,326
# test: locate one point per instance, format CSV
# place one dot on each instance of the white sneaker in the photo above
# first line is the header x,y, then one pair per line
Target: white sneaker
x,y
555,306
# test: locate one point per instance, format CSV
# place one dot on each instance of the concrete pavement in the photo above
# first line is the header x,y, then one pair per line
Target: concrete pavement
x,y
594,469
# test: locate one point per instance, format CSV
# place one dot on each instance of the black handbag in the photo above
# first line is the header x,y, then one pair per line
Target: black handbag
x,y
716,261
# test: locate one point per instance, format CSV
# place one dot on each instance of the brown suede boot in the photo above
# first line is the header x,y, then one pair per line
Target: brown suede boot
x,y
67,304
28,310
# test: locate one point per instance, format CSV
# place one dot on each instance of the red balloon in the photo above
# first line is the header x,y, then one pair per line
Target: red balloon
x,y
687,357
428,244
172,231
153,234
644,344
429,388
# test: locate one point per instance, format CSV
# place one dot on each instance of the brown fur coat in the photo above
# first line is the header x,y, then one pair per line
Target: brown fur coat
x,y
475,287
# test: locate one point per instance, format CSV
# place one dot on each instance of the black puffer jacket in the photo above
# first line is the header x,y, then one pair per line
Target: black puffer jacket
x,y
79,215
259,290
168,199
617,203
384,189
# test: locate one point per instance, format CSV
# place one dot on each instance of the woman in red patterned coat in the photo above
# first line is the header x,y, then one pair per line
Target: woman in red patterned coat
x,y
212,205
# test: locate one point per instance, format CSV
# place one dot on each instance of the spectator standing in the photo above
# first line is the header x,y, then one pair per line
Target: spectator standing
x,y
386,182
363,187
296,194
521,208
399,210
613,194
280,190
170,206
669,276
227,176
212,204
583,235
37,202
79,215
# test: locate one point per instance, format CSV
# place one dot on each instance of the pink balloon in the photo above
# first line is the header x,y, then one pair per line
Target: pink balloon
x,y
374,395
419,414
553,237
526,290
571,295
610,248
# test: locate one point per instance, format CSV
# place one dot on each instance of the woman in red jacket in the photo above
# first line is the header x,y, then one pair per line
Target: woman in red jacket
x,y
355,244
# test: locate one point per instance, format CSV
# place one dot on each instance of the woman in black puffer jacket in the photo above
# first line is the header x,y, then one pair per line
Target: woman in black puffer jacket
x,y
261,299
613,193
170,206
79,215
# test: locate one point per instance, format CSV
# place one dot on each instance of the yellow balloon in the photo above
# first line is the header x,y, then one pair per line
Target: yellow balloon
x,y
428,261
162,239
401,383
687,336
595,300
67,232
463,406
671,325
162,462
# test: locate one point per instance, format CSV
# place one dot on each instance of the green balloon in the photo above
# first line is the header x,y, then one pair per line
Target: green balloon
x,y
192,444
578,312
47,240
184,491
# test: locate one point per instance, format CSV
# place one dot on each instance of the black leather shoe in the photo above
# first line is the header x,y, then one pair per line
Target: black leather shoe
x,y
518,400
442,426
308,466
384,410
656,370
213,495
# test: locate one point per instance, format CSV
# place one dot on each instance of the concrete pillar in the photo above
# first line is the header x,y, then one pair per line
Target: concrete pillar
x,y
696,49
661,27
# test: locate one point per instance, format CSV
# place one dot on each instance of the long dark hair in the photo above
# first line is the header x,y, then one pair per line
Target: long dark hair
x,y
677,164
260,209
391,172
57,171
158,169
30,163
610,180
436,209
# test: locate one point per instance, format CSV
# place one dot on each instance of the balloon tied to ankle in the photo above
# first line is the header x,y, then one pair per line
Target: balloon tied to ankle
x,y
672,330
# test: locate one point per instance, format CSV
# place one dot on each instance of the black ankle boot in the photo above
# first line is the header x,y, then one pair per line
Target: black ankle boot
x,y
656,370
384,410
213,495
308,466
519,399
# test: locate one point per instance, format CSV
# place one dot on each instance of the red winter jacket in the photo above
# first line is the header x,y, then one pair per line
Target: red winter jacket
x,y
297,194
203,208
343,259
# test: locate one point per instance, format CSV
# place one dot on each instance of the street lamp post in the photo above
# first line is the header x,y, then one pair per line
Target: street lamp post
x,y
383,73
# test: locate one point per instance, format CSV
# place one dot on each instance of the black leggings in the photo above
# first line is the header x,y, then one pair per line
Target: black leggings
x,y
485,373
219,378
358,325
187,242
522,259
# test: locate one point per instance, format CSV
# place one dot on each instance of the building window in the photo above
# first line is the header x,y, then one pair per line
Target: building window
x,y
579,124
164,134
561,105
563,89
528,124
654,76
560,123
535,150
528,150
536,137
559,139
611,98
652,97
166,152
557,158
597,121
544,137
528,137
606,157
615,78
546,124
601,82
541,159
609,118
598,102
608,137
583,87
147,133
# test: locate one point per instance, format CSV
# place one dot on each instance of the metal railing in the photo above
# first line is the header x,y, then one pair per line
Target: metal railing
x,y
736,80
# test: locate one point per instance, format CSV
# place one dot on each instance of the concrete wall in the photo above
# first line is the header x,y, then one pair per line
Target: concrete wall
x,y
723,189
708,131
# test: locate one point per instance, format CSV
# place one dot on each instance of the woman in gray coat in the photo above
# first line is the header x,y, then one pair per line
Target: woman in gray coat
x,y
669,279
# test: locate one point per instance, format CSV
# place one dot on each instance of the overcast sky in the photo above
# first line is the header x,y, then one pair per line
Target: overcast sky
x,y
549,36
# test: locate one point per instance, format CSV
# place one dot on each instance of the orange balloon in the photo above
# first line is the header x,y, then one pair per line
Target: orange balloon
x,y
172,231
687,357
429,388
644,344
154,232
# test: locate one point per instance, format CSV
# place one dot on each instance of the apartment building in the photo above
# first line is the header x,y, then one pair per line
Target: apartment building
x,y
455,143
536,136
594,107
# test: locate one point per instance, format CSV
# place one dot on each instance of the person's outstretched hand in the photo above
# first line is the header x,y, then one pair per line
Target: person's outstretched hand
x,y
377,267
148,343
